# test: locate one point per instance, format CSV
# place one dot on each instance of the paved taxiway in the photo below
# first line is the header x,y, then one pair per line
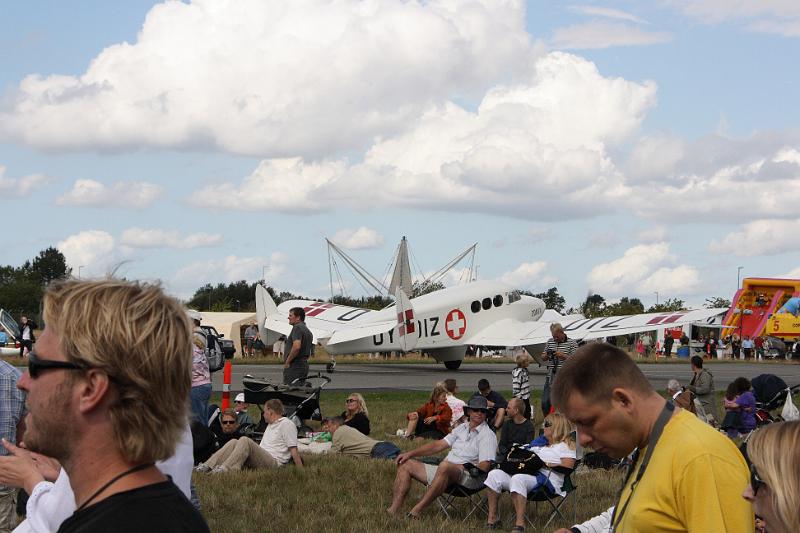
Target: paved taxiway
x,y
380,377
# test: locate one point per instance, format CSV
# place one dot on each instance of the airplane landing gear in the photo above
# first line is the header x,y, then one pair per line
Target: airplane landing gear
x,y
452,365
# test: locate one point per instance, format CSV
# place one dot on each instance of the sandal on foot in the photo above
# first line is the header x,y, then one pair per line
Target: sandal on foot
x,y
493,525
410,516
518,529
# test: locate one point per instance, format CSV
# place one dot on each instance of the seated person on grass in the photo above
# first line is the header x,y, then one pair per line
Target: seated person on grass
x,y
497,404
432,420
516,429
350,441
240,407
278,446
456,404
560,451
472,443
228,428
355,414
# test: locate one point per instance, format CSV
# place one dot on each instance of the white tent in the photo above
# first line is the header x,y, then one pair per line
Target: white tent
x,y
230,325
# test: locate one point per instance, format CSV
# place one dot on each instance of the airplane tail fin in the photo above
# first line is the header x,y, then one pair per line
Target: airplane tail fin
x,y
407,333
265,306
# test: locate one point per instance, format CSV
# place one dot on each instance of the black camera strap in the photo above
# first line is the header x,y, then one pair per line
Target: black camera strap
x,y
658,428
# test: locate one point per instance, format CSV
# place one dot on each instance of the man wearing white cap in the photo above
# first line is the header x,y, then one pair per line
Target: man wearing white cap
x,y
240,406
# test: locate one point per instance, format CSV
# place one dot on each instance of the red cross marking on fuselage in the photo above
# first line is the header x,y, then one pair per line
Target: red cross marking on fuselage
x,y
456,324
407,324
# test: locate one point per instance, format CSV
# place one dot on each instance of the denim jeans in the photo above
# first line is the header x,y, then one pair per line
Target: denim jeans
x,y
384,450
200,396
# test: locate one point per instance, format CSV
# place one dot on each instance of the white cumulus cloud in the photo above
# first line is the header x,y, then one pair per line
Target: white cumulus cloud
x,y
643,269
91,193
529,276
760,237
720,179
358,239
23,186
94,250
546,138
272,78
232,268
159,238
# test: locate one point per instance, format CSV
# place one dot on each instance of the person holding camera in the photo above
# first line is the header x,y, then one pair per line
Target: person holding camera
x,y
556,351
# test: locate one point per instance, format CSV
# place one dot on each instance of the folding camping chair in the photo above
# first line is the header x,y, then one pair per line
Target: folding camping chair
x,y
556,501
477,503
447,501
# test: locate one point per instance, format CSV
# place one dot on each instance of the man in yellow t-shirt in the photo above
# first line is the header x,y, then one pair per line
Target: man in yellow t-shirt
x,y
693,477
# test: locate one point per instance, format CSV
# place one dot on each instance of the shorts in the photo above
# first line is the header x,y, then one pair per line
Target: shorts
x,y
465,480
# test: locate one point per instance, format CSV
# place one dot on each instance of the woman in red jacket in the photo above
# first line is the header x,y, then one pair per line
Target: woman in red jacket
x,y
432,420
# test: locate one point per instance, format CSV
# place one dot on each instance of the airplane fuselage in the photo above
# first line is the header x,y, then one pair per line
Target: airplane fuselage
x,y
442,319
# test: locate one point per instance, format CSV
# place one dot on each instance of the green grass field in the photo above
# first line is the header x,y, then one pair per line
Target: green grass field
x,y
335,493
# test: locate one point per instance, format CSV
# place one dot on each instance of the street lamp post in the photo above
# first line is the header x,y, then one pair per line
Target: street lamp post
x,y
656,297
79,270
738,272
264,273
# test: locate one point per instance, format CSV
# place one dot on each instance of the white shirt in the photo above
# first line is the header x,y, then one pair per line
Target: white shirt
x,y
278,438
553,455
457,406
471,446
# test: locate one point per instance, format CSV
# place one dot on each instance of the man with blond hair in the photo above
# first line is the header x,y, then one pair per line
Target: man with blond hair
x,y
108,390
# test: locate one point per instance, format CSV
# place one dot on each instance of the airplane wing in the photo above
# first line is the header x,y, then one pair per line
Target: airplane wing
x,y
358,332
511,332
595,328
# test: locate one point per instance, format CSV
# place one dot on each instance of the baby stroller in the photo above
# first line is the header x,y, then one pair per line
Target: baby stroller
x,y
770,392
300,400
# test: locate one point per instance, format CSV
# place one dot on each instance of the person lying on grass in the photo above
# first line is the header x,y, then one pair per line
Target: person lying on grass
x,y
277,448
473,443
350,441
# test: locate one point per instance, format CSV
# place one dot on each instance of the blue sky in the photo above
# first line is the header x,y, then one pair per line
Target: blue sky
x,y
623,148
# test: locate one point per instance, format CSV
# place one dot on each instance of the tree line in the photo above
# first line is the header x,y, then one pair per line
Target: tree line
x,y
22,287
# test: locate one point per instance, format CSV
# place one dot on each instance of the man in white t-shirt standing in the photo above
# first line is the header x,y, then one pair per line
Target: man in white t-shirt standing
x,y
277,448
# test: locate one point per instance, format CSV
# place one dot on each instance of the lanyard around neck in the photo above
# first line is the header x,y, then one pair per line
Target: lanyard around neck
x,y
658,428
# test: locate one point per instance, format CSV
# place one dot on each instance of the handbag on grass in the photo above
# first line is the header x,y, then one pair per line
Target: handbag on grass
x,y
520,460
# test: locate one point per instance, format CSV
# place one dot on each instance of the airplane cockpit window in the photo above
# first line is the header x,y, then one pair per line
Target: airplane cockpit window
x,y
476,306
487,304
514,296
498,300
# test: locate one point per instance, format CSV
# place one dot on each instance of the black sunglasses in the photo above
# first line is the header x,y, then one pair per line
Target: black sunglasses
x,y
36,366
755,481
228,422
548,424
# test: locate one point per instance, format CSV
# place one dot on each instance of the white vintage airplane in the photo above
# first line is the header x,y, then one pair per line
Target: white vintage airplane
x,y
443,323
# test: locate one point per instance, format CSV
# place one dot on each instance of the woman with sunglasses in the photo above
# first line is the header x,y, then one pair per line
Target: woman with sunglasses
x,y
774,489
355,414
558,451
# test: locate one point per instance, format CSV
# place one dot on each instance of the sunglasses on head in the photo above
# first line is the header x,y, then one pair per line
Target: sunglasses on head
x,y
755,481
548,424
36,366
